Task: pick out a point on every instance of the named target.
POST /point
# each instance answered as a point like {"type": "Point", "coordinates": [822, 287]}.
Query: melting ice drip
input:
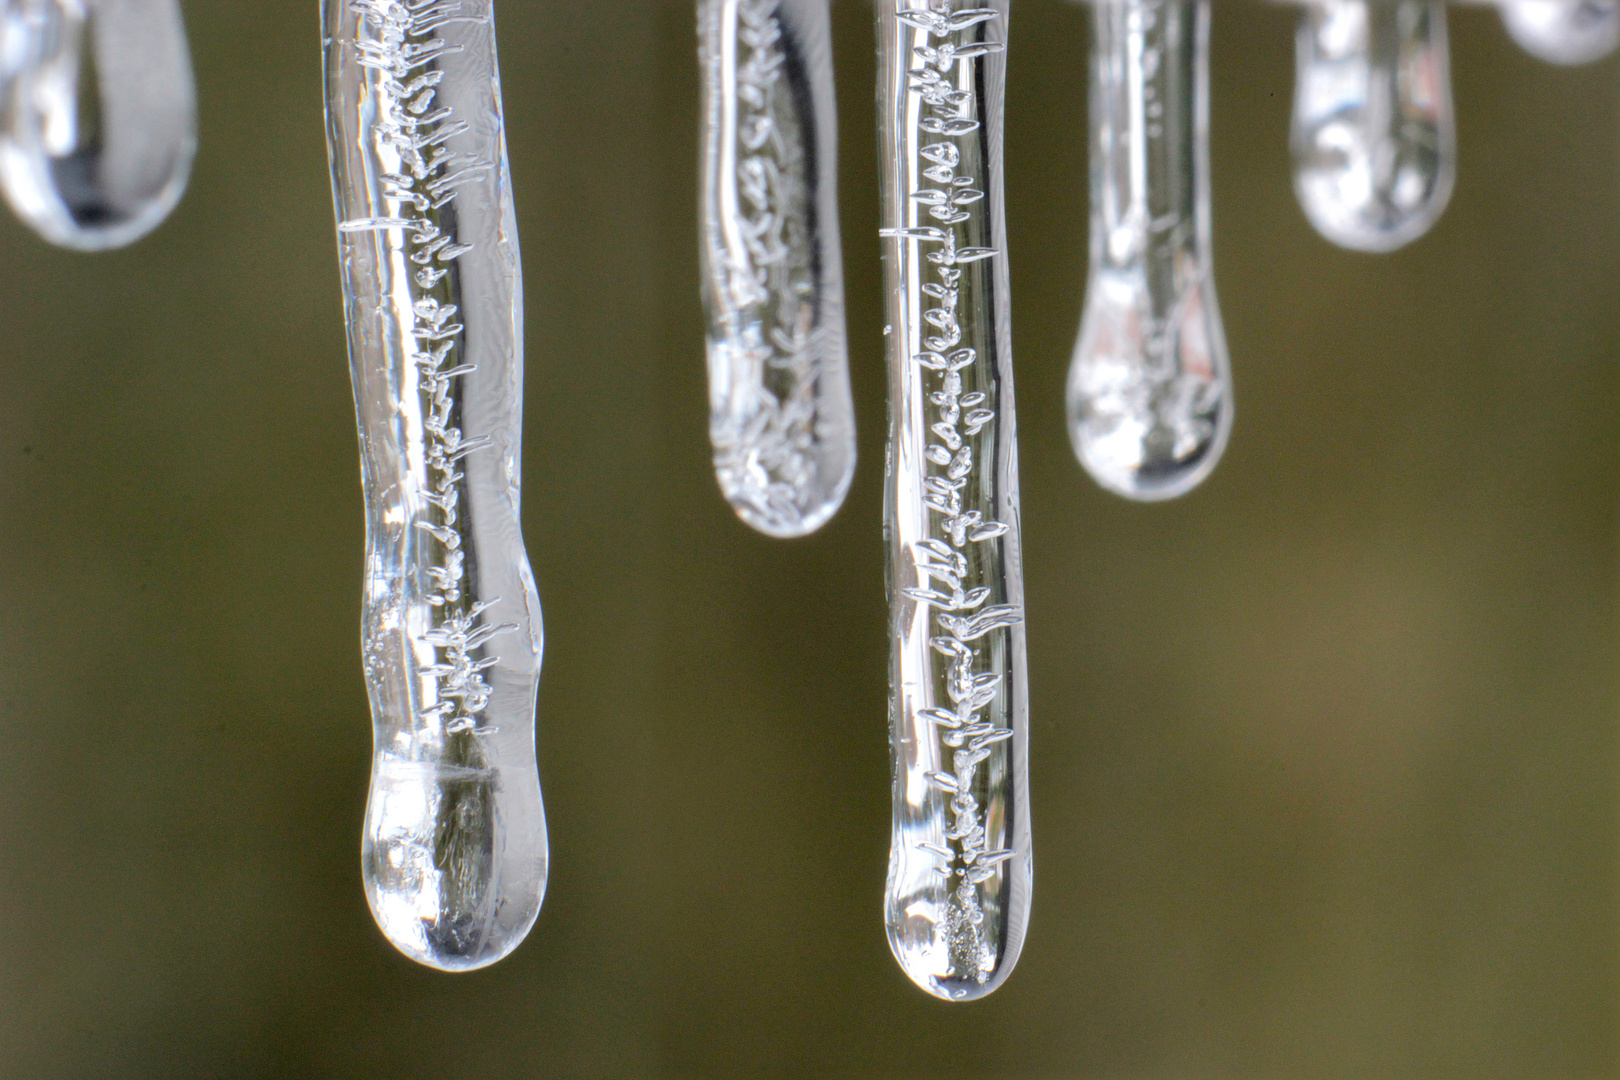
{"type": "Point", "coordinates": [455, 846]}
{"type": "Point", "coordinates": [781, 417]}
{"type": "Point", "coordinates": [959, 863]}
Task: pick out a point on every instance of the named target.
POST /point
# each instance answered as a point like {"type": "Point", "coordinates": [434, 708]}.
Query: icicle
{"type": "Point", "coordinates": [780, 418]}
{"type": "Point", "coordinates": [1149, 397]}
{"type": "Point", "coordinates": [455, 844]}
{"type": "Point", "coordinates": [1373, 138]}
{"type": "Point", "coordinates": [98, 117]}
{"type": "Point", "coordinates": [1563, 31]}
{"type": "Point", "coordinates": [959, 862]}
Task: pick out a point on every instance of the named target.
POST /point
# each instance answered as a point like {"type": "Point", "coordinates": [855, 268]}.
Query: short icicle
{"type": "Point", "coordinates": [1373, 135]}
{"type": "Point", "coordinates": [1149, 394]}
{"type": "Point", "coordinates": [454, 851]}
{"type": "Point", "coordinates": [960, 872]}
{"type": "Point", "coordinates": [781, 418]}
{"type": "Point", "coordinates": [98, 117]}
{"type": "Point", "coordinates": [1563, 31]}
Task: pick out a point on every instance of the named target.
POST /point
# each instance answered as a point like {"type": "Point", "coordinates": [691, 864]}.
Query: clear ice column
{"type": "Point", "coordinates": [1149, 394]}
{"type": "Point", "coordinates": [780, 414]}
{"type": "Point", "coordinates": [1373, 135]}
{"type": "Point", "coordinates": [98, 117]}
{"type": "Point", "coordinates": [959, 883]}
{"type": "Point", "coordinates": [1563, 31]}
{"type": "Point", "coordinates": [454, 851]}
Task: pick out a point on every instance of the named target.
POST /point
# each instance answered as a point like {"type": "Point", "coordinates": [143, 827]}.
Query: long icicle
{"type": "Point", "coordinates": [454, 852]}
{"type": "Point", "coordinates": [98, 117]}
{"type": "Point", "coordinates": [959, 862]}
{"type": "Point", "coordinates": [1374, 142]}
{"type": "Point", "coordinates": [1149, 394]}
{"type": "Point", "coordinates": [780, 415]}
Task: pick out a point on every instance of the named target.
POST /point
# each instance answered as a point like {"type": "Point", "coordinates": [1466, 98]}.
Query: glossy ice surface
{"type": "Point", "coordinates": [959, 860]}
{"type": "Point", "coordinates": [455, 842]}
{"type": "Point", "coordinates": [781, 418]}
{"type": "Point", "coordinates": [1564, 31]}
{"type": "Point", "coordinates": [1373, 136]}
{"type": "Point", "coordinates": [1149, 396]}
{"type": "Point", "coordinates": [98, 117]}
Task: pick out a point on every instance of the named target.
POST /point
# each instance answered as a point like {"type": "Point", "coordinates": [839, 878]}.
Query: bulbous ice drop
{"type": "Point", "coordinates": [960, 870]}
{"type": "Point", "coordinates": [98, 117]}
{"type": "Point", "coordinates": [1149, 395]}
{"type": "Point", "coordinates": [780, 412]}
{"type": "Point", "coordinates": [454, 852]}
{"type": "Point", "coordinates": [1373, 136]}
{"type": "Point", "coordinates": [1563, 31]}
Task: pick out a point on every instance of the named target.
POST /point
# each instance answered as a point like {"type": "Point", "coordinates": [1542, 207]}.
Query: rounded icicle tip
{"type": "Point", "coordinates": [1564, 32]}
{"type": "Point", "coordinates": [1149, 395]}
{"type": "Point", "coordinates": [454, 856]}
{"type": "Point", "coordinates": [98, 118]}
{"type": "Point", "coordinates": [1373, 140]}
{"type": "Point", "coordinates": [1149, 392]}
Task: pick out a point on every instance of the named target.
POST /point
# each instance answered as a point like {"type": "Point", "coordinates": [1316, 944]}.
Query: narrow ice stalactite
{"type": "Point", "coordinates": [960, 871]}
{"type": "Point", "coordinates": [781, 418]}
{"type": "Point", "coordinates": [454, 853]}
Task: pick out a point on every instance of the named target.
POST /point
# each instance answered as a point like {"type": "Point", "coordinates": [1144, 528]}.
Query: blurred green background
{"type": "Point", "coordinates": [1325, 759]}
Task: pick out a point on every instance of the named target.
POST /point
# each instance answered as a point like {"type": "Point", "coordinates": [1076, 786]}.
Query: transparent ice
{"type": "Point", "coordinates": [958, 895]}
{"type": "Point", "coordinates": [780, 414]}
{"type": "Point", "coordinates": [1373, 136]}
{"type": "Point", "coordinates": [1149, 396]}
{"type": "Point", "coordinates": [98, 117]}
{"type": "Point", "coordinates": [454, 852]}
{"type": "Point", "coordinates": [1564, 31]}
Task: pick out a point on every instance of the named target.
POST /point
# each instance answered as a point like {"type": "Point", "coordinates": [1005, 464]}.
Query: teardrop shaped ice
{"type": "Point", "coordinates": [1149, 395]}
{"type": "Point", "coordinates": [454, 854]}
{"type": "Point", "coordinates": [1373, 136]}
{"type": "Point", "coordinates": [1563, 31]}
{"type": "Point", "coordinates": [960, 864]}
{"type": "Point", "coordinates": [98, 117]}
{"type": "Point", "coordinates": [781, 418]}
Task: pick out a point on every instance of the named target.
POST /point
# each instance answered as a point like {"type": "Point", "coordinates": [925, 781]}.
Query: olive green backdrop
{"type": "Point", "coordinates": [1325, 758]}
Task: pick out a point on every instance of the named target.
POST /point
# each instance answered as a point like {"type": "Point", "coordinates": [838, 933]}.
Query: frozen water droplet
{"type": "Point", "coordinates": [1149, 396]}
{"type": "Point", "coordinates": [1373, 135]}
{"type": "Point", "coordinates": [98, 117]}
{"type": "Point", "coordinates": [1563, 31]}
